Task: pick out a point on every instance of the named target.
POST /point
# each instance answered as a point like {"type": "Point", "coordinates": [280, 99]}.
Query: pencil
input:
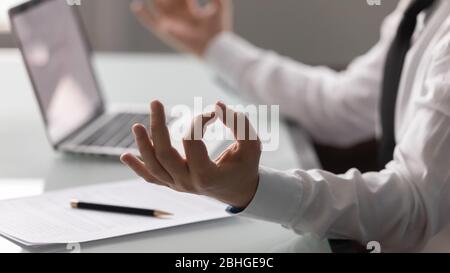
{"type": "Point", "coordinates": [118, 209]}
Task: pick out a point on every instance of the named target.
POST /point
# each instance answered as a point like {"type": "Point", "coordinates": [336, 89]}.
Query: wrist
{"type": "Point", "coordinates": [235, 196]}
{"type": "Point", "coordinates": [243, 198]}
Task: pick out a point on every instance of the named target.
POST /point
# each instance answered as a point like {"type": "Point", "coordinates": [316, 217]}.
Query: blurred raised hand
{"type": "Point", "coordinates": [185, 25]}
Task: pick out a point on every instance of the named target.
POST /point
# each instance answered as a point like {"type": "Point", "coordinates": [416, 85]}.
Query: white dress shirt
{"type": "Point", "coordinates": [408, 202]}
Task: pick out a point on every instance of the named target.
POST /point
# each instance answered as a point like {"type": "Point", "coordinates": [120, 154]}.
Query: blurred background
{"type": "Point", "coordinates": [329, 32]}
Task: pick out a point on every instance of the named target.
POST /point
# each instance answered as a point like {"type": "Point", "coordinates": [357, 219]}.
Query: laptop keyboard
{"type": "Point", "coordinates": [117, 131]}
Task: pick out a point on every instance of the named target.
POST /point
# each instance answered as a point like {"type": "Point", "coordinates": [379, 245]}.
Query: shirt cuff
{"type": "Point", "coordinates": [228, 53]}
{"type": "Point", "coordinates": [277, 198]}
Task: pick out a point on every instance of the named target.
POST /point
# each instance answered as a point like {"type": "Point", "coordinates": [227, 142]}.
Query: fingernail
{"type": "Point", "coordinates": [122, 158]}
{"type": "Point", "coordinates": [135, 128]}
{"type": "Point", "coordinates": [154, 105]}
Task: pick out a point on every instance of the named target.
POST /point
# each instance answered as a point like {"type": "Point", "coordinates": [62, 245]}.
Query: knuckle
{"type": "Point", "coordinates": [162, 154]}
{"type": "Point", "coordinates": [202, 180]}
{"type": "Point", "coordinates": [140, 138]}
{"type": "Point", "coordinates": [201, 173]}
{"type": "Point", "coordinates": [154, 126]}
{"type": "Point", "coordinates": [156, 172]}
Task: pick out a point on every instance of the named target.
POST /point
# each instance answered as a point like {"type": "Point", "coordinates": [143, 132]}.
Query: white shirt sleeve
{"type": "Point", "coordinates": [339, 108]}
{"type": "Point", "coordinates": [402, 206]}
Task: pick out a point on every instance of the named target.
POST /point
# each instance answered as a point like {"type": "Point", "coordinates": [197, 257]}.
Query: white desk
{"type": "Point", "coordinates": [25, 153]}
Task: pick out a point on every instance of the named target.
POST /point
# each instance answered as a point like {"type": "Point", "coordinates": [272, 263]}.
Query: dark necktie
{"type": "Point", "coordinates": [392, 73]}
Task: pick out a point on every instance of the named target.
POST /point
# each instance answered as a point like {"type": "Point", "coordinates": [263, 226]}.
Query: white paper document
{"type": "Point", "coordinates": [48, 219]}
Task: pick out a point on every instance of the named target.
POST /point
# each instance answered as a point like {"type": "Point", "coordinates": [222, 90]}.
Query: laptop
{"type": "Point", "coordinates": [57, 56]}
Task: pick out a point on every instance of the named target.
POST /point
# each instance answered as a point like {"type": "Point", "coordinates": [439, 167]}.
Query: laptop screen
{"type": "Point", "coordinates": [59, 64]}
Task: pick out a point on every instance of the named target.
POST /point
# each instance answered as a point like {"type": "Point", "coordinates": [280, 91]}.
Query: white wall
{"type": "Point", "coordinates": [314, 31]}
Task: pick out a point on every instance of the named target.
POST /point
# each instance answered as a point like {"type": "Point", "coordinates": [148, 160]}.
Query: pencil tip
{"type": "Point", "coordinates": [162, 213]}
